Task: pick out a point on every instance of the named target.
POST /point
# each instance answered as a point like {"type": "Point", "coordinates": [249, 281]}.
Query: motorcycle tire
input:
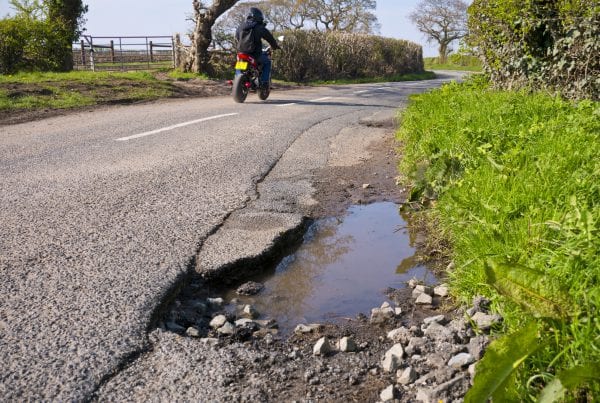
{"type": "Point", "coordinates": [239, 91]}
{"type": "Point", "coordinates": [264, 93]}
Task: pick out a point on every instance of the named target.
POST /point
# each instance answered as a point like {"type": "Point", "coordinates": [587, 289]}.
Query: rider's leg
{"type": "Point", "coordinates": [266, 69]}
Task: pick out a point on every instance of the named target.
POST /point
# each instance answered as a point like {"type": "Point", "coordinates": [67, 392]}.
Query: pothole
{"type": "Point", "coordinates": [342, 269]}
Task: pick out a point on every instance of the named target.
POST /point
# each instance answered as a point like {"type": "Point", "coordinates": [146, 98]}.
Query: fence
{"type": "Point", "coordinates": [108, 53]}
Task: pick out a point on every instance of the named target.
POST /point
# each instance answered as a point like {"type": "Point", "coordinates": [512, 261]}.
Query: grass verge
{"type": "Point", "coordinates": [513, 184]}
{"type": "Point", "coordinates": [78, 88]}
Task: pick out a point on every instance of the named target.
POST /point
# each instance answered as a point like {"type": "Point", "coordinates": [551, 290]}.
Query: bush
{"type": "Point", "coordinates": [32, 45]}
{"type": "Point", "coordinates": [312, 55]}
{"type": "Point", "coordinates": [539, 44]}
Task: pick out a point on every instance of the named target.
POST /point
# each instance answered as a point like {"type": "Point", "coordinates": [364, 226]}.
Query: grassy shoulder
{"type": "Point", "coordinates": [78, 88]}
{"type": "Point", "coordinates": [512, 181]}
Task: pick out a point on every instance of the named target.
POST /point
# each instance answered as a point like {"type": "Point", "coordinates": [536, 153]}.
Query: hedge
{"type": "Point", "coordinates": [552, 45]}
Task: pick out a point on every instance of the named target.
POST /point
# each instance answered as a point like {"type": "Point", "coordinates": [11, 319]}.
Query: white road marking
{"type": "Point", "coordinates": [362, 92]}
{"type": "Point", "coordinates": [164, 129]}
{"type": "Point", "coordinates": [290, 104]}
{"type": "Point", "coordinates": [320, 99]}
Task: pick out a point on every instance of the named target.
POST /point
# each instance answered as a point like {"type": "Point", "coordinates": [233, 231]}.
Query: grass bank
{"type": "Point", "coordinates": [78, 88]}
{"type": "Point", "coordinates": [513, 184]}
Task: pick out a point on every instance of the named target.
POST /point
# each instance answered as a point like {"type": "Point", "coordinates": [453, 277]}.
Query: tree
{"type": "Point", "coordinates": [70, 13]}
{"type": "Point", "coordinates": [343, 15]}
{"type": "Point", "coordinates": [204, 18]}
{"type": "Point", "coordinates": [443, 21]}
{"type": "Point", "coordinates": [322, 15]}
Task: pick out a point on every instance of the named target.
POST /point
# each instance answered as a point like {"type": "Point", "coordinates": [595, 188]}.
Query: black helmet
{"type": "Point", "coordinates": [255, 15]}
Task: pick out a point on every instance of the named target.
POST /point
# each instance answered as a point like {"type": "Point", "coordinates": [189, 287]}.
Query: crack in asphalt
{"type": "Point", "coordinates": [186, 276]}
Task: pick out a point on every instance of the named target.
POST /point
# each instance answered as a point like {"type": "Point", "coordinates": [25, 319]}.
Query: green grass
{"type": "Point", "coordinates": [463, 63]}
{"type": "Point", "coordinates": [514, 184]}
{"type": "Point", "coordinates": [427, 75]}
{"type": "Point", "coordinates": [78, 88]}
{"type": "Point", "coordinates": [182, 76]}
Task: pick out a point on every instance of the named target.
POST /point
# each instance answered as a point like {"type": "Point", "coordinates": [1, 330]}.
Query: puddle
{"type": "Point", "coordinates": [341, 269]}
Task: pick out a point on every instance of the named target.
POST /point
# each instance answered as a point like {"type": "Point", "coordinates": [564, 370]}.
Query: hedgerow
{"type": "Point", "coordinates": [551, 45]}
{"type": "Point", "coordinates": [312, 55]}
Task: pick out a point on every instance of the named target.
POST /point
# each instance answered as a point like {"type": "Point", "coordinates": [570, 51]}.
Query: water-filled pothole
{"type": "Point", "coordinates": [341, 269]}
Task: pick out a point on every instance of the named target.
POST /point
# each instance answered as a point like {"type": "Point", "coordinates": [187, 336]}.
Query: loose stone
{"type": "Point", "coordinates": [424, 289]}
{"type": "Point", "coordinates": [250, 312]}
{"type": "Point", "coordinates": [347, 345]}
{"type": "Point", "coordinates": [192, 332]}
{"type": "Point", "coordinates": [437, 319]}
{"type": "Point", "coordinates": [424, 299]}
{"type": "Point", "coordinates": [406, 376]}
{"type": "Point", "coordinates": [393, 357]}
{"type": "Point", "coordinates": [218, 321]}
{"type": "Point", "coordinates": [461, 360]}
{"type": "Point", "coordinates": [322, 347]}
{"type": "Point", "coordinates": [485, 322]}
{"type": "Point", "coordinates": [226, 329]}
{"type": "Point", "coordinates": [307, 328]}
{"type": "Point", "coordinates": [245, 322]}
{"type": "Point", "coordinates": [441, 291]}
{"type": "Point", "coordinates": [388, 394]}
{"type": "Point", "coordinates": [382, 315]}
{"type": "Point", "coordinates": [400, 335]}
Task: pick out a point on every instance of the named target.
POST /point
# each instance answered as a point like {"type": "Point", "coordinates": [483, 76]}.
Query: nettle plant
{"type": "Point", "coordinates": [550, 45]}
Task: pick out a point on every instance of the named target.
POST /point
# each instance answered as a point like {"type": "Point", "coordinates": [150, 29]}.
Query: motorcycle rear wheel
{"type": "Point", "coordinates": [239, 90]}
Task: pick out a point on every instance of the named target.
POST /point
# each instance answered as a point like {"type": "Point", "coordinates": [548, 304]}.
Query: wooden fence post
{"type": "Point", "coordinates": [151, 57]}
{"type": "Point", "coordinates": [112, 51]}
{"type": "Point", "coordinates": [83, 53]}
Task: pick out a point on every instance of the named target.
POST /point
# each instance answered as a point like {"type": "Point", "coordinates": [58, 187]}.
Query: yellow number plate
{"type": "Point", "coordinates": [241, 65]}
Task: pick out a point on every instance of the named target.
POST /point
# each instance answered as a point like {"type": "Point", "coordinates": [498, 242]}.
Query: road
{"type": "Point", "coordinates": [105, 212]}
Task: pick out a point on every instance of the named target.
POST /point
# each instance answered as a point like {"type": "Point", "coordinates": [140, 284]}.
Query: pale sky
{"type": "Point", "coordinates": [143, 17]}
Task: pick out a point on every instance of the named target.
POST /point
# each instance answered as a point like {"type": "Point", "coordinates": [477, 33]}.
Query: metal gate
{"type": "Point", "coordinates": [124, 53]}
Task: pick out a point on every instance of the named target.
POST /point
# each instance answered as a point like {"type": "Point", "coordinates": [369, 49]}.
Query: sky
{"type": "Point", "coordinates": [148, 18]}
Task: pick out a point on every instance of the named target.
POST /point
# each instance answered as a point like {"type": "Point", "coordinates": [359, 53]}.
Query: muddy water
{"type": "Point", "coordinates": [342, 268]}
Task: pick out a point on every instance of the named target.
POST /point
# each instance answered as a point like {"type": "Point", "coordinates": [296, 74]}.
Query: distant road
{"type": "Point", "coordinates": [102, 213]}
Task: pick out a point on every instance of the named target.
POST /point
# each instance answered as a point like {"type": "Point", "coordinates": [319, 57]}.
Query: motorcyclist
{"type": "Point", "coordinates": [249, 36]}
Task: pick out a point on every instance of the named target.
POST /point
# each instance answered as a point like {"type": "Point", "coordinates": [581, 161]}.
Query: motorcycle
{"type": "Point", "coordinates": [247, 76]}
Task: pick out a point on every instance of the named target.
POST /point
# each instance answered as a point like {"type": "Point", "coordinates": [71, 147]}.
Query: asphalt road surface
{"type": "Point", "coordinates": [104, 212]}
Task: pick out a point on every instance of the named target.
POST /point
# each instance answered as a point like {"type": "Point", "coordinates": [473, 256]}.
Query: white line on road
{"type": "Point", "coordinates": [164, 129]}
{"type": "Point", "coordinates": [320, 99]}
{"type": "Point", "coordinates": [362, 92]}
{"type": "Point", "coordinates": [290, 104]}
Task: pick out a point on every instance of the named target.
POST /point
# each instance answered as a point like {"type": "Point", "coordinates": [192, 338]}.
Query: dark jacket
{"type": "Point", "coordinates": [249, 36]}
